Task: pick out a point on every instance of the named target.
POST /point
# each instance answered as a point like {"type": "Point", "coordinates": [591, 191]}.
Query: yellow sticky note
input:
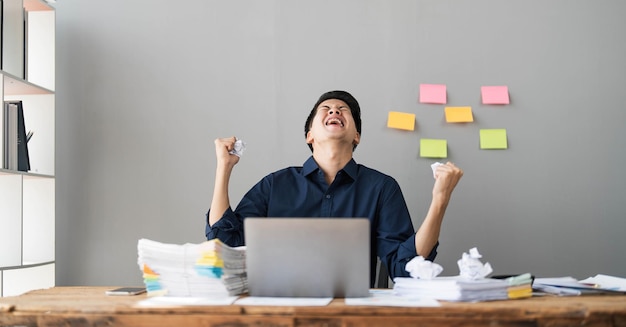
{"type": "Point", "coordinates": [459, 114]}
{"type": "Point", "coordinates": [401, 120]}
{"type": "Point", "coordinates": [493, 139]}
{"type": "Point", "coordinates": [433, 148]}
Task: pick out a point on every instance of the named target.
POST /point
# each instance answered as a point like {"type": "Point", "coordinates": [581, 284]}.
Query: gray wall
{"type": "Point", "coordinates": [144, 87]}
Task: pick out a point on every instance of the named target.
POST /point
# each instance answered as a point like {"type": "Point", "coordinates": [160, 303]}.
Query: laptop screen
{"type": "Point", "coordinates": [307, 257]}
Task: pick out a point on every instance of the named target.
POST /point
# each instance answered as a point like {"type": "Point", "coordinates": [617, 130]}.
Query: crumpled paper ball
{"type": "Point", "coordinates": [238, 148]}
{"type": "Point", "coordinates": [471, 267]}
{"type": "Point", "coordinates": [421, 268]}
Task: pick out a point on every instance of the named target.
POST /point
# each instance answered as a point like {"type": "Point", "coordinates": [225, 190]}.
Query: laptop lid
{"type": "Point", "coordinates": [307, 257]}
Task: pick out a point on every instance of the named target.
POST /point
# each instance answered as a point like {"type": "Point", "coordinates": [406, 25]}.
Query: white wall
{"type": "Point", "coordinates": [143, 88]}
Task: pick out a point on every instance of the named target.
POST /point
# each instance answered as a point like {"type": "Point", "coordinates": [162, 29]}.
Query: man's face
{"type": "Point", "coordinates": [333, 121]}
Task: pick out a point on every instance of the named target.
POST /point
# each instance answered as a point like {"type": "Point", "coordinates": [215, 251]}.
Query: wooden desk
{"type": "Point", "coordinates": [88, 306]}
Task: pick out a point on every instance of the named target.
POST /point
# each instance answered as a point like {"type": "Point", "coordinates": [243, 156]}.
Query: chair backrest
{"type": "Point", "coordinates": [382, 276]}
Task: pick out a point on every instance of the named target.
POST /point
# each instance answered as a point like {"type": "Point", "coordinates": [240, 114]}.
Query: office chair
{"type": "Point", "coordinates": [382, 276]}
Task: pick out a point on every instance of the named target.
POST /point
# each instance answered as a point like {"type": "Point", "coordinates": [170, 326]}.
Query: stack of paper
{"type": "Point", "coordinates": [208, 269]}
{"type": "Point", "coordinates": [456, 288]}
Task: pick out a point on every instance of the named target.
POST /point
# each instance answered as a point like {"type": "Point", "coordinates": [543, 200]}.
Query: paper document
{"type": "Point", "coordinates": [456, 288]}
{"type": "Point", "coordinates": [571, 286]}
{"type": "Point", "coordinates": [284, 301]}
{"type": "Point", "coordinates": [606, 282]}
{"type": "Point", "coordinates": [210, 269]}
{"type": "Point", "coordinates": [176, 301]}
{"type": "Point", "coordinates": [387, 298]}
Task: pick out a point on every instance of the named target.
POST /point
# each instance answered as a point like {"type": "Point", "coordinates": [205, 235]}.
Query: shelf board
{"type": "Point", "coordinates": [36, 5]}
{"type": "Point", "coordinates": [26, 174]}
{"type": "Point", "coordinates": [17, 86]}
{"type": "Point", "coordinates": [28, 265]}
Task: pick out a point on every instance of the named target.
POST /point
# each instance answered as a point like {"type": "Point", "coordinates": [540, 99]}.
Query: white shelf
{"type": "Point", "coordinates": [27, 199]}
{"type": "Point", "coordinates": [19, 281]}
{"type": "Point", "coordinates": [10, 218]}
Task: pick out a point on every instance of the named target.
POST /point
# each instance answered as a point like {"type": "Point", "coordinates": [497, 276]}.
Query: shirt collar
{"type": "Point", "coordinates": [310, 166]}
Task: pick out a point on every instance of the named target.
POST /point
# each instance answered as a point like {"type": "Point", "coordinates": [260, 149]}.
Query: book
{"type": "Point", "coordinates": [13, 38]}
{"type": "Point", "coordinates": [15, 147]}
{"type": "Point", "coordinates": [9, 144]}
{"type": "Point", "coordinates": [23, 159]}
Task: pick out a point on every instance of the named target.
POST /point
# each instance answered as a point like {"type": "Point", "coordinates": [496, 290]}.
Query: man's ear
{"type": "Point", "coordinates": [309, 138]}
{"type": "Point", "coordinates": [357, 139]}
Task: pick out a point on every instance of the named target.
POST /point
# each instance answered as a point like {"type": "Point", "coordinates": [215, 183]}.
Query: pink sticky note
{"type": "Point", "coordinates": [433, 93]}
{"type": "Point", "coordinates": [495, 94]}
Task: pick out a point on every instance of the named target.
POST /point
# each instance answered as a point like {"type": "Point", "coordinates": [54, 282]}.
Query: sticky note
{"type": "Point", "coordinates": [401, 120]}
{"type": "Point", "coordinates": [493, 139]}
{"type": "Point", "coordinates": [495, 94]}
{"type": "Point", "coordinates": [433, 93]}
{"type": "Point", "coordinates": [433, 148]}
{"type": "Point", "coordinates": [459, 114]}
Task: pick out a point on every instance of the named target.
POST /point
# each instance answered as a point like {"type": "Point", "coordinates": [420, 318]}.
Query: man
{"type": "Point", "coordinates": [332, 184]}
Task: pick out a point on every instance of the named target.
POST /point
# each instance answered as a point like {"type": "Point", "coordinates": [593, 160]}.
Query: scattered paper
{"type": "Point", "coordinates": [459, 114]}
{"type": "Point", "coordinates": [238, 148]}
{"type": "Point", "coordinates": [433, 93]}
{"type": "Point", "coordinates": [421, 268]}
{"type": "Point", "coordinates": [606, 282]}
{"type": "Point", "coordinates": [433, 148]}
{"type": "Point", "coordinates": [563, 286]}
{"type": "Point", "coordinates": [284, 301]}
{"type": "Point", "coordinates": [401, 120]}
{"type": "Point", "coordinates": [493, 139]}
{"type": "Point", "coordinates": [176, 301]}
{"type": "Point", "coordinates": [570, 286]}
{"type": "Point", "coordinates": [387, 298]}
{"type": "Point", "coordinates": [471, 267]}
{"type": "Point", "coordinates": [495, 94]}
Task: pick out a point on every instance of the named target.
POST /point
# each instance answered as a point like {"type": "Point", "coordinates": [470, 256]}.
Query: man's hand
{"type": "Point", "coordinates": [223, 146]}
{"type": "Point", "coordinates": [446, 177]}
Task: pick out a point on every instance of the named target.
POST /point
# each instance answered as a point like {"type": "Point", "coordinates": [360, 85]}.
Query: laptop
{"type": "Point", "coordinates": [308, 257]}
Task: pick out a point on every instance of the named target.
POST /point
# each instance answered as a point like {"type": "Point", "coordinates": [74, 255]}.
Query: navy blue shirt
{"type": "Point", "coordinates": [357, 191]}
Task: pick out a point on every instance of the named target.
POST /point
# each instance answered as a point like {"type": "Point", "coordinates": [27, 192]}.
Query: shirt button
{"type": "Point", "coordinates": [328, 196]}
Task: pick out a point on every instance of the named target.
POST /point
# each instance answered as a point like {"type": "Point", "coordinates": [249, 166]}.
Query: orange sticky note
{"type": "Point", "coordinates": [401, 120]}
{"type": "Point", "coordinates": [459, 114]}
{"type": "Point", "coordinates": [433, 93]}
{"type": "Point", "coordinates": [147, 270]}
{"type": "Point", "coordinates": [495, 94]}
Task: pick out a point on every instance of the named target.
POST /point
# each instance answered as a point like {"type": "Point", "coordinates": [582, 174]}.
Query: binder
{"type": "Point", "coordinates": [15, 145]}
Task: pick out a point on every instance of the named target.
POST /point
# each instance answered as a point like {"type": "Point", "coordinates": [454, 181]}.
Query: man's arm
{"type": "Point", "coordinates": [225, 164]}
{"type": "Point", "coordinates": [446, 178]}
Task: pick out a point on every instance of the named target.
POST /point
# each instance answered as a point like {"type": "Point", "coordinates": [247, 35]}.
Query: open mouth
{"type": "Point", "coordinates": [334, 121]}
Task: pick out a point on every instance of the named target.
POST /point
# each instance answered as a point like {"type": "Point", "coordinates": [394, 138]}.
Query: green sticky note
{"type": "Point", "coordinates": [493, 139]}
{"type": "Point", "coordinates": [433, 148]}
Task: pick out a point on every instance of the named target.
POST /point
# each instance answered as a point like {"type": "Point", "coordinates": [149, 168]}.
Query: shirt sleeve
{"type": "Point", "coordinates": [229, 229]}
{"type": "Point", "coordinates": [395, 232]}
